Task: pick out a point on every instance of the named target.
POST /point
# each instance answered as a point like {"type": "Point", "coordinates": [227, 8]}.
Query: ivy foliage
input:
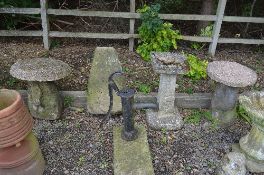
{"type": "Point", "coordinates": [154, 34]}
{"type": "Point", "coordinates": [205, 32]}
{"type": "Point", "coordinates": [10, 22]}
{"type": "Point", "coordinates": [171, 6]}
{"type": "Point", "coordinates": [19, 3]}
{"type": "Point", "coordinates": [197, 67]}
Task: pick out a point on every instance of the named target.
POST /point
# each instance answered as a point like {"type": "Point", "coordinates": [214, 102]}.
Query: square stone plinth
{"type": "Point", "coordinates": [132, 157]}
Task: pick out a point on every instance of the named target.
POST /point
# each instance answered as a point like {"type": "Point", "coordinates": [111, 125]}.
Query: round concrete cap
{"type": "Point", "coordinates": [231, 73]}
{"type": "Point", "coordinates": [40, 69]}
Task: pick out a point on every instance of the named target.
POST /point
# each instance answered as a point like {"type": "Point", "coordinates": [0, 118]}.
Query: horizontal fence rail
{"type": "Point", "coordinates": [46, 33]}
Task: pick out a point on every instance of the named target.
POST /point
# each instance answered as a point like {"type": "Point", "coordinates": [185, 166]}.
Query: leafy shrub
{"type": "Point", "coordinates": [197, 67]}
{"type": "Point", "coordinates": [205, 32]}
{"type": "Point", "coordinates": [154, 34]}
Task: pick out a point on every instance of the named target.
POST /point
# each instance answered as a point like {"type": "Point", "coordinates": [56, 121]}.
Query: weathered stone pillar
{"type": "Point", "coordinates": [105, 62]}
{"type": "Point", "coordinates": [167, 116]}
{"type": "Point", "coordinates": [224, 103]}
{"type": "Point", "coordinates": [166, 95]}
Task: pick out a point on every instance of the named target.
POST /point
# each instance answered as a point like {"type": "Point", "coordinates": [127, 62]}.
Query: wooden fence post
{"type": "Point", "coordinates": [45, 23]}
{"type": "Point", "coordinates": [217, 26]}
{"type": "Point", "coordinates": [132, 25]}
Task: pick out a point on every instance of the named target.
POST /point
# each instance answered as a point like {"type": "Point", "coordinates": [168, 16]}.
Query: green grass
{"type": "Point", "coordinates": [68, 101]}
{"type": "Point", "coordinates": [164, 139]}
{"type": "Point", "coordinates": [197, 115]}
{"type": "Point", "coordinates": [81, 160]}
{"type": "Point", "coordinates": [143, 87]}
{"type": "Point", "coordinates": [55, 44]}
{"type": "Point", "coordinates": [11, 82]}
{"type": "Point", "coordinates": [242, 114]}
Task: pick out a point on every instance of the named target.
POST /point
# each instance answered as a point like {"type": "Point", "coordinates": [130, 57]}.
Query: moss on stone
{"type": "Point", "coordinates": [44, 100]}
{"type": "Point", "coordinates": [105, 62]}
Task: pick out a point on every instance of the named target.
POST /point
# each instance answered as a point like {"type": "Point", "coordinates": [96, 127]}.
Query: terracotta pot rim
{"type": "Point", "coordinates": [13, 107]}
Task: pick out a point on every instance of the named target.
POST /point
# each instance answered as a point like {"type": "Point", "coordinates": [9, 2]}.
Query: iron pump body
{"type": "Point", "coordinates": [129, 132]}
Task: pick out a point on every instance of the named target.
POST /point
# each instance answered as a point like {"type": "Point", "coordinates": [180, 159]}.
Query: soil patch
{"type": "Point", "coordinates": [139, 73]}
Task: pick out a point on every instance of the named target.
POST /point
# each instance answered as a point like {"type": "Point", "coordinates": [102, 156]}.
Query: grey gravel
{"type": "Point", "coordinates": [40, 69]}
{"type": "Point", "coordinates": [80, 147]}
{"type": "Point", "coordinates": [231, 73]}
{"type": "Point", "coordinates": [75, 145]}
{"type": "Point", "coordinates": [195, 149]}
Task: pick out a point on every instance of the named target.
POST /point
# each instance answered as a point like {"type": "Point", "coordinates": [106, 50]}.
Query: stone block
{"type": "Point", "coordinates": [233, 163]}
{"type": "Point", "coordinates": [105, 62]}
{"type": "Point", "coordinates": [132, 157]}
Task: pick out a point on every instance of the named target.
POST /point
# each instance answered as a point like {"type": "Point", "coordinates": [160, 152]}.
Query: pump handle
{"type": "Point", "coordinates": [111, 86]}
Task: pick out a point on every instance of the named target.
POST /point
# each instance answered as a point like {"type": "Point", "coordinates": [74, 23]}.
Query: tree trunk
{"type": "Point", "coordinates": [207, 9]}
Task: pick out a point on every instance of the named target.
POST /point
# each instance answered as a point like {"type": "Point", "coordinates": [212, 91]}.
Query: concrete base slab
{"type": "Point", "coordinates": [170, 122]}
{"type": "Point", "coordinates": [132, 157]}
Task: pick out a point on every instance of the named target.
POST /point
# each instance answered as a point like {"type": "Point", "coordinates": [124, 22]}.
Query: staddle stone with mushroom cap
{"type": "Point", "coordinates": [43, 98]}
{"type": "Point", "coordinates": [230, 76]}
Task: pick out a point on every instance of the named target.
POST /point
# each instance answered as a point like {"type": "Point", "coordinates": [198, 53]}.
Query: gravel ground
{"type": "Point", "coordinates": [75, 145]}
{"type": "Point", "coordinates": [196, 149]}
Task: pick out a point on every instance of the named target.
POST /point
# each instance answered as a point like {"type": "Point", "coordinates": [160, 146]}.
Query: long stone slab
{"type": "Point", "coordinates": [182, 100]}
{"type": "Point", "coordinates": [132, 157]}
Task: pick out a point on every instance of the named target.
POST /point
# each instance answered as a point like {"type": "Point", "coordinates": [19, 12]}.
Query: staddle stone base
{"type": "Point", "coordinates": [44, 101]}
{"type": "Point", "coordinates": [223, 104]}
{"type": "Point", "coordinates": [232, 163]}
{"type": "Point", "coordinates": [132, 157]}
{"type": "Point", "coordinates": [169, 121]}
{"type": "Point", "coordinates": [225, 118]}
{"type": "Point", "coordinates": [252, 165]}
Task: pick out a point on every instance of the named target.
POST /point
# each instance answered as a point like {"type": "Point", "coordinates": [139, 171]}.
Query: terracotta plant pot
{"type": "Point", "coordinates": [25, 159]}
{"type": "Point", "coordinates": [15, 120]}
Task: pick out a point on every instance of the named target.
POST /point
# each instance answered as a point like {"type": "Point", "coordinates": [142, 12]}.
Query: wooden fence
{"type": "Point", "coordinates": [44, 11]}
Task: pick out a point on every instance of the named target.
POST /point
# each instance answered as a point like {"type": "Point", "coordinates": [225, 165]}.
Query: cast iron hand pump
{"type": "Point", "coordinates": [127, 98]}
